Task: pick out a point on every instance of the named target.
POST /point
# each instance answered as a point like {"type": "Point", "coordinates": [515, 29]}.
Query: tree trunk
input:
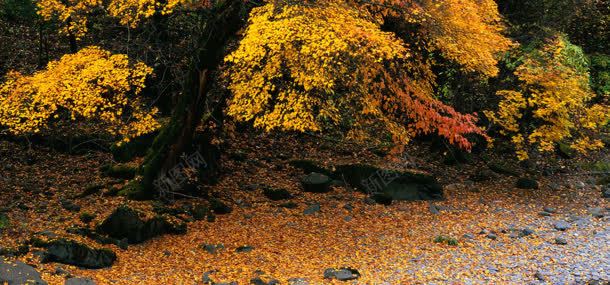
{"type": "Point", "coordinates": [176, 139]}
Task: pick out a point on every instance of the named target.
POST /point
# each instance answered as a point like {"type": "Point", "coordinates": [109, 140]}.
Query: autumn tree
{"type": "Point", "coordinates": [306, 67]}
{"type": "Point", "coordinates": [92, 85]}
{"type": "Point", "coordinates": [552, 102]}
{"type": "Point", "coordinates": [363, 67]}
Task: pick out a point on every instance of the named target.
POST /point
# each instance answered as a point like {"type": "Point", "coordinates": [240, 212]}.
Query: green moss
{"type": "Point", "coordinates": [4, 222]}
{"type": "Point", "coordinates": [446, 240]}
{"type": "Point", "coordinates": [120, 171]}
{"type": "Point", "coordinates": [87, 217]}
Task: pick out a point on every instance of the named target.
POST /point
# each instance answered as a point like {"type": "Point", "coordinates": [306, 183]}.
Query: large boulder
{"type": "Point", "coordinates": [316, 183]}
{"type": "Point", "coordinates": [527, 183]}
{"type": "Point", "coordinates": [126, 223]}
{"type": "Point", "coordinates": [18, 273]}
{"type": "Point", "coordinates": [74, 253]}
{"type": "Point", "coordinates": [402, 186]}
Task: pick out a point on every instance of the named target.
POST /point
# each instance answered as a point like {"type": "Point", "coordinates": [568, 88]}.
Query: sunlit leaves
{"type": "Point", "coordinates": [92, 84]}
{"type": "Point", "coordinates": [329, 65]}
{"type": "Point", "coordinates": [552, 103]}
{"type": "Point", "coordinates": [73, 14]}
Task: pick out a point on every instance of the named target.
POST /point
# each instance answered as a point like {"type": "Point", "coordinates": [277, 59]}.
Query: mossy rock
{"type": "Point", "coordinates": [120, 171]}
{"type": "Point", "coordinates": [90, 190]}
{"type": "Point", "coordinates": [74, 253]}
{"type": "Point", "coordinates": [125, 222]}
{"type": "Point", "coordinates": [404, 186]}
{"type": "Point", "coordinates": [527, 183]}
{"type": "Point", "coordinates": [316, 183]}
{"type": "Point", "coordinates": [219, 207]}
{"type": "Point", "coordinates": [199, 212]}
{"type": "Point", "coordinates": [87, 217]}
{"type": "Point", "coordinates": [503, 168]}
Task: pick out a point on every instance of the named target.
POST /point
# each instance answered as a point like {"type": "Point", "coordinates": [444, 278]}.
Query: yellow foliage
{"type": "Point", "coordinates": [91, 84]}
{"type": "Point", "coordinates": [314, 66]}
{"type": "Point", "coordinates": [131, 13]}
{"type": "Point", "coordinates": [554, 94]}
{"type": "Point", "coordinates": [73, 13]}
{"type": "Point", "coordinates": [469, 32]}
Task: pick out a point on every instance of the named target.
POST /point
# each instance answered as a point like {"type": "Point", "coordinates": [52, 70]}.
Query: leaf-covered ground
{"type": "Point", "coordinates": [397, 244]}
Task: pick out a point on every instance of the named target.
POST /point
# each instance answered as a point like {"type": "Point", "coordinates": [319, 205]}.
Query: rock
{"type": "Point", "coordinates": [606, 191]}
{"type": "Point", "coordinates": [211, 218]}
{"type": "Point", "coordinates": [527, 183]}
{"type": "Point", "coordinates": [341, 274]}
{"type": "Point", "coordinates": [348, 207]}
{"type": "Point", "coordinates": [125, 222]}
{"type": "Point", "coordinates": [580, 185]}
{"type": "Point", "coordinates": [597, 212]}
{"type": "Point", "coordinates": [297, 281]}
{"type": "Point", "coordinates": [74, 253]}
{"type": "Point", "coordinates": [561, 225]}
{"type": "Point", "coordinates": [206, 277]}
{"type": "Point", "coordinates": [61, 271]}
{"type": "Point", "coordinates": [382, 199]}
{"type": "Point", "coordinates": [219, 207]}
{"type": "Point", "coordinates": [244, 248]}
{"type": "Point", "coordinates": [545, 214]}
{"type": "Point", "coordinates": [69, 205]}
{"type": "Point", "coordinates": [483, 175]}
{"type": "Point", "coordinates": [369, 201]}
{"type": "Point", "coordinates": [312, 209]}
{"type": "Point", "coordinates": [276, 194]}
{"type": "Point", "coordinates": [503, 168]}
{"type": "Point", "coordinates": [261, 281]}
{"type": "Point", "coordinates": [199, 212]}
{"type": "Point", "coordinates": [433, 209]}
{"type": "Point", "coordinates": [561, 241]}
{"type": "Point", "coordinates": [18, 273]}
{"type": "Point", "coordinates": [555, 186]}
{"type": "Point", "coordinates": [550, 210]}
{"type": "Point", "coordinates": [90, 190]}
{"type": "Point", "coordinates": [316, 183]}
{"type": "Point", "coordinates": [86, 217]}
{"type": "Point", "coordinates": [79, 281]}
{"type": "Point", "coordinates": [289, 205]}
{"type": "Point", "coordinates": [492, 236]}
{"type": "Point", "coordinates": [86, 232]}
{"type": "Point", "coordinates": [213, 248]}
{"type": "Point", "coordinates": [526, 232]}
{"type": "Point", "coordinates": [468, 236]}
{"type": "Point", "coordinates": [401, 186]}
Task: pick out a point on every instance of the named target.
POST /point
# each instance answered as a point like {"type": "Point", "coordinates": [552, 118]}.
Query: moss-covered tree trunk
{"type": "Point", "coordinates": [176, 138]}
